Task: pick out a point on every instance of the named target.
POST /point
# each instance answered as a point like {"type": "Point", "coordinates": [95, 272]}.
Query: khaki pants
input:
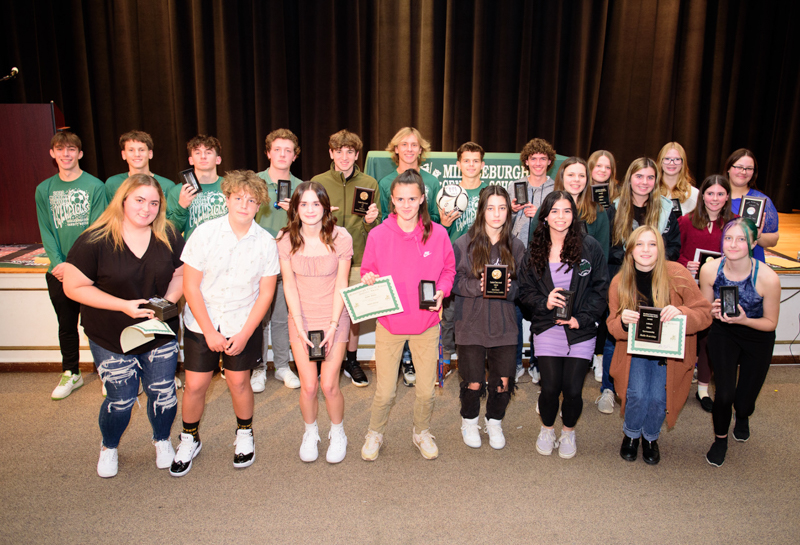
{"type": "Point", "coordinates": [388, 349]}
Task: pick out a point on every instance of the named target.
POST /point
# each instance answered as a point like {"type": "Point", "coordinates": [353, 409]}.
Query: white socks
{"type": "Point", "coordinates": [702, 391]}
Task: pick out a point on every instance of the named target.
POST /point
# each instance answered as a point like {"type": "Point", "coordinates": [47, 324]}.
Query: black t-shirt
{"type": "Point", "coordinates": [644, 285]}
{"type": "Point", "coordinates": [122, 274]}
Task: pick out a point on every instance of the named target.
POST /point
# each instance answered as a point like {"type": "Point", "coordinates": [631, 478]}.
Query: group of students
{"type": "Point", "coordinates": [254, 267]}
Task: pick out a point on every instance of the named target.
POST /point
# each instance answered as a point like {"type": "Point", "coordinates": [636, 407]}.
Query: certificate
{"type": "Point", "coordinates": [671, 345]}
{"type": "Point", "coordinates": [138, 334]}
{"type": "Point", "coordinates": [365, 302]}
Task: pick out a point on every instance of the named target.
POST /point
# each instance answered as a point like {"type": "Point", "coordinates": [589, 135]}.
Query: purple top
{"type": "Point", "coordinates": [553, 342]}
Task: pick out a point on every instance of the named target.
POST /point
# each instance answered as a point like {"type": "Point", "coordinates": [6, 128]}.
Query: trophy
{"type": "Point", "coordinates": [521, 192]}
{"type": "Point", "coordinates": [316, 352]}
{"type": "Point", "coordinates": [189, 178]}
{"type": "Point", "coordinates": [729, 300]}
{"type": "Point", "coordinates": [495, 281]}
{"type": "Point", "coordinates": [362, 198]}
{"type": "Point", "coordinates": [649, 327]}
{"type": "Point", "coordinates": [164, 310]}
{"type": "Point", "coordinates": [427, 292]}
{"type": "Point", "coordinates": [565, 312]}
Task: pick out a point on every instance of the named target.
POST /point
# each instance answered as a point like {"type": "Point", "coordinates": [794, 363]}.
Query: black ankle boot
{"type": "Point", "coordinates": [650, 453]}
{"type": "Point", "coordinates": [629, 449]}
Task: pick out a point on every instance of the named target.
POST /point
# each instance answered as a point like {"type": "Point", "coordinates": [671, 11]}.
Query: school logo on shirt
{"type": "Point", "coordinates": [70, 208]}
{"type": "Point", "coordinates": [468, 216]}
{"type": "Point", "coordinates": [206, 206]}
{"type": "Point", "coordinates": [584, 268]}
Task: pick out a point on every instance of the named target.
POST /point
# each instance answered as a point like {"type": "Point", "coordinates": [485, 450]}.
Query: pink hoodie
{"type": "Point", "coordinates": [392, 251]}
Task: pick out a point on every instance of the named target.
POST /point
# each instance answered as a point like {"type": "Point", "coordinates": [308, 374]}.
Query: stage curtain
{"type": "Point", "coordinates": [622, 75]}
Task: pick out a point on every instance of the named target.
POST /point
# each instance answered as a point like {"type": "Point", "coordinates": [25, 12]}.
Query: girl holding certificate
{"type": "Point", "coordinates": [410, 248]}
{"type": "Point", "coordinates": [486, 328]}
{"type": "Point", "coordinates": [315, 261]}
{"type": "Point", "coordinates": [702, 230]}
{"type": "Point", "coordinates": [743, 340]}
{"type": "Point", "coordinates": [130, 254]}
{"type": "Point", "coordinates": [564, 326]}
{"type": "Point", "coordinates": [651, 387]}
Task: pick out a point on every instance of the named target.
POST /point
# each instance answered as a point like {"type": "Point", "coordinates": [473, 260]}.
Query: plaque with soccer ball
{"type": "Point", "coordinates": [452, 198]}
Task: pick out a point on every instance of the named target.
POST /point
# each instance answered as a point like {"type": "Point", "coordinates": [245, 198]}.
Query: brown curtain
{"type": "Point", "coordinates": [622, 75]}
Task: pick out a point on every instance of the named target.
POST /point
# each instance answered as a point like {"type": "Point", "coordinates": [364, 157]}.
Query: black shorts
{"type": "Point", "coordinates": [198, 357]}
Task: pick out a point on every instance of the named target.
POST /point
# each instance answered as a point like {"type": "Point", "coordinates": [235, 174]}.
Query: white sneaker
{"type": "Point", "coordinates": [66, 384]}
{"type": "Point", "coordinates": [258, 380]}
{"type": "Point", "coordinates": [372, 446]}
{"type": "Point", "coordinates": [424, 441]}
{"type": "Point", "coordinates": [495, 430]}
{"type": "Point", "coordinates": [534, 373]}
{"type": "Point", "coordinates": [108, 464]}
{"type": "Point", "coordinates": [164, 453]}
{"type": "Point", "coordinates": [289, 379]}
{"type": "Point", "coordinates": [308, 448]}
{"type": "Point", "coordinates": [178, 383]}
{"type": "Point", "coordinates": [103, 389]}
{"type": "Point", "coordinates": [546, 441]}
{"type": "Point", "coordinates": [566, 445]}
{"type": "Point", "coordinates": [188, 449]}
{"type": "Point", "coordinates": [245, 452]}
{"type": "Point", "coordinates": [470, 431]}
{"type": "Point", "coordinates": [598, 368]}
{"type": "Point", "coordinates": [520, 372]}
{"type": "Point", "coordinates": [338, 447]}
{"type": "Point", "coordinates": [605, 402]}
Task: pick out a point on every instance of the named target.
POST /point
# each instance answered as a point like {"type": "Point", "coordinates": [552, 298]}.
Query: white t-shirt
{"type": "Point", "coordinates": [232, 270]}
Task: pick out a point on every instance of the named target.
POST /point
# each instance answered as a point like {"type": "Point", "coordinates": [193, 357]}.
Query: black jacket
{"type": "Point", "coordinates": [589, 282]}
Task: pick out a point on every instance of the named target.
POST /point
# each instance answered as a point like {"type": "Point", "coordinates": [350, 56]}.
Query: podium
{"type": "Point", "coordinates": [25, 133]}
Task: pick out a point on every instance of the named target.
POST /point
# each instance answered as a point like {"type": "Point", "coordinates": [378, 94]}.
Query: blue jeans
{"type": "Point", "coordinates": [120, 373]}
{"type": "Point", "coordinates": [608, 355]}
{"type": "Point", "coordinates": [646, 400]}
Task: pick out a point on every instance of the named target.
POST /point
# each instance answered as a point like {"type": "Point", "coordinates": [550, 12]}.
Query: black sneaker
{"type": "Point", "coordinates": [716, 454]}
{"type": "Point", "coordinates": [409, 375]}
{"type": "Point", "coordinates": [741, 430]}
{"type": "Point", "coordinates": [353, 371]}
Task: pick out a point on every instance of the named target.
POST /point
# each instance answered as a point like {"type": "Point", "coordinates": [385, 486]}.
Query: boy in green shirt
{"type": "Point", "coordinates": [137, 150]}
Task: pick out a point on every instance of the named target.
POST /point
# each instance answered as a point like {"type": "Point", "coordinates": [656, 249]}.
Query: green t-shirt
{"type": "Point", "coordinates": [463, 223]}
{"type": "Point", "coordinates": [207, 205]}
{"type": "Point", "coordinates": [431, 190]}
{"type": "Point", "coordinates": [114, 183]}
{"type": "Point", "coordinates": [65, 210]}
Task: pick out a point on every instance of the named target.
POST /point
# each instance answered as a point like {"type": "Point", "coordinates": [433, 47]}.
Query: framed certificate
{"type": "Point", "coordinates": [704, 256]}
{"type": "Point", "coordinates": [600, 195]}
{"type": "Point", "coordinates": [752, 208]}
{"type": "Point", "coordinates": [672, 343]}
{"type": "Point", "coordinates": [366, 302]}
{"type": "Point", "coordinates": [362, 198]}
{"type": "Point", "coordinates": [495, 281]}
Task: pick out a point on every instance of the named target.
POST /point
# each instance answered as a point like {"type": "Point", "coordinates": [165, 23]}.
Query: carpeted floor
{"type": "Point", "coordinates": [50, 492]}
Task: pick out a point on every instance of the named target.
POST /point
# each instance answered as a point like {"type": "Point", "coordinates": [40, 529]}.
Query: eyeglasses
{"type": "Point", "coordinates": [742, 169]}
{"type": "Point", "coordinates": [672, 160]}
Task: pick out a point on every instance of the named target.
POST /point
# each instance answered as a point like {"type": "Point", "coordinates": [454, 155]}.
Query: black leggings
{"type": "Point", "coordinates": [732, 347]}
{"type": "Point", "coordinates": [561, 375]}
{"type": "Point", "coordinates": [472, 368]}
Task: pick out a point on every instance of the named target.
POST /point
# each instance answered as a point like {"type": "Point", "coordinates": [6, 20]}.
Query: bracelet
{"type": "Point", "coordinates": [334, 323]}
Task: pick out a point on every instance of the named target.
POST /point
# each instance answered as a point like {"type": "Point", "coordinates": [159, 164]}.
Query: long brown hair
{"type": "Point", "coordinates": [480, 246]}
{"type": "Point", "coordinates": [629, 296]}
{"type": "Point", "coordinates": [623, 221]}
{"type": "Point", "coordinates": [293, 224]}
{"type": "Point", "coordinates": [587, 208]}
{"type": "Point", "coordinates": [109, 225]}
{"type": "Point", "coordinates": [540, 241]}
{"type": "Point", "coordinates": [700, 219]}
{"type": "Point", "coordinates": [412, 177]}
{"type": "Point", "coordinates": [683, 189]}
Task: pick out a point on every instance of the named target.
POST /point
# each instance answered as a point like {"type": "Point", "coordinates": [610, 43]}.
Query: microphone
{"type": "Point", "coordinates": [12, 75]}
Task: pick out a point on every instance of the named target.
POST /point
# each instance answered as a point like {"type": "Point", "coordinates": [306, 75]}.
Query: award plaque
{"type": "Point", "coordinates": [316, 352]}
{"type": "Point", "coordinates": [565, 312]}
{"type": "Point", "coordinates": [284, 189]}
{"type": "Point", "coordinates": [427, 292]}
{"type": "Point", "coordinates": [164, 310]}
{"type": "Point", "coordinates": [752, 208]}
{"type": "Point", "coordinates": [676, 206]}
{"type": "Point", "coordinates": [188, 178]}
{"type": "Point", "coordinates": [703, 257]}
{"type": "Point", "coordinates": [649, 327]}
{"type": "Point", "coordinates": [362, 198]}
{"type": "Point", "coordinates": [495, 281]}
{"type": "Point", "coordinates": [729, 300]}
{"type": "Point", "coordinates": [600, 195]}
{"type": "Point", "coordinates": [521, 192]}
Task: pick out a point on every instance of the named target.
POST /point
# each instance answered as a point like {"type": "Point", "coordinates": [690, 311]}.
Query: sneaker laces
{"type": "Point", "coordinates": [426, 438]}
{"type": "Point", "coordinates": [184, 451]}
{"type": "Point", "coordinates": [161, 446]}
{"type": "Point", "coordinates": [373, 439]}
{"type": "Point", "coordinates": [491, 427]}
{"type": "Point", "coordinates": [309, 438]}
{"type": "Point", "coordinates": [608, 394]}
{"type": "Point", "coordinates": [65, 379]}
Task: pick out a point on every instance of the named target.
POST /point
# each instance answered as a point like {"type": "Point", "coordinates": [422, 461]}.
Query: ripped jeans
{"type": "Point", "coordinates": [120, 373]}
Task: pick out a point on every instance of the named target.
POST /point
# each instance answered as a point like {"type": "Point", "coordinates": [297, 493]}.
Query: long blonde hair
{"type": "Point", "coordinates": [623, 221]}
{"type": "Point", "coordinates": [109, 225]}
{"type": "Point", "coordinates": [683, 189]}
{"type": "Point", "coordinates": [613, 183]}
{"type": "Point", "coordinates": [629, 296]}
